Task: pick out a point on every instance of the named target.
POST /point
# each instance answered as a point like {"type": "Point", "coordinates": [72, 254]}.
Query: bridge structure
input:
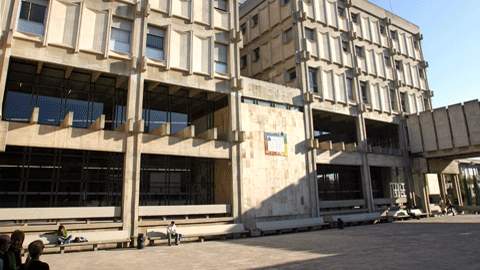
{"type": "Point", "coordinates": [436, 139]}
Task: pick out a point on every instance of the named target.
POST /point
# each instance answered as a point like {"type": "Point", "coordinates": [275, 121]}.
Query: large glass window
{"type": "Point", "coordinates": [45, 177]}
{"type": "Point", "coordinates": [170, 180]}
{"type": "Point", "coordinates": [32, 17]}
{"type": "Point", "coordinates": [155, 39]}
{"type": "Point", "coordinates": [339, 182]}
{"type": "Point", "coordinates": [313, 80]}
{"type": "Point", "coordinates": [56, 96]}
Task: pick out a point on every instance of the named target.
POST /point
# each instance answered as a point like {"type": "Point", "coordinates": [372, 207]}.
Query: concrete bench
{"type": "Point", "coordinates": [48, 219]}
{"type": "Point", "coordinates": [354, 219]}
{"type": "Point", "coordinates": [95, 239]}
{"type": "Point", "coordinates": [292, 224]}
{"type": "Point", "coordinates": [201, 232]}
{"type": "Point", "coordinates": [401, 214]}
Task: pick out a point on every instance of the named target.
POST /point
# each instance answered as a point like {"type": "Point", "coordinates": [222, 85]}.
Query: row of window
{"type": "Point", "coordinates": [271, 104]}
{"type": "Point", "coordinates": [32, 20]}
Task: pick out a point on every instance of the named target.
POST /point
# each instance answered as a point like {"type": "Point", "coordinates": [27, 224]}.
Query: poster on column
{"type": "Point", "coordinates": [276, 144]}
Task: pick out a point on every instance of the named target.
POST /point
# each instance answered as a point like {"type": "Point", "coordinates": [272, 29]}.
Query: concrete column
{"type": "Point", "coordinates": [133, 142]}
{"type": "Point", "coordinates": [365, 168]}
{"type": "Point", "coordinates": [457, 190]}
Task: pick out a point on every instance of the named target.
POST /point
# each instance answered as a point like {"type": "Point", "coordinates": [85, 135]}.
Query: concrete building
{"type": "Point", "coordinates": [209, 110]}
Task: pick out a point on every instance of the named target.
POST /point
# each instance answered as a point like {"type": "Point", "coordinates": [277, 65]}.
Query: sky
{"type": "Point", "coordinates": [451, 44]}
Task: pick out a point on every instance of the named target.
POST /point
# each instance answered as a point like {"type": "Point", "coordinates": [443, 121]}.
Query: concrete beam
{"type": "Point", "coordinates": [327, 145]}
{"type": "Point", "coordinates": [140, 126]}
{"type": "Point", "coordinates": [120, 80]}
{"type": "Point", "coordinates": [186, 133]}
{"type": "Point", "coordinates": [99, 124]}
{"type": "Point", "coordinates": [68, 71]}
{"type": "Point", "coordinates": [173, 89]}
{"type": "Point", "coordinates": [67, 121]}
{"type": "Point", "coordinates": [162, 130]}
{"type": "Point", "coordinates": [39, 67]}
{"type": "Point", "coordinates": [351, 147]}
{"type": "Point", "coordinates": [3, 135]}
{"type": "Point", "coordinates": [34, 116]}
{"type": "Point", "coordinates": [152, 86]}
{"type": "Point", "coordinates": [95, 76]}
{"type": "Point", "coordinates": [339, 146]}
{"type": "Point", "coordinates": [126, 126]}
{"type": "Point", "coordinates": [210, 134]}
{"type": "Point", "coordinates": [193, 93]}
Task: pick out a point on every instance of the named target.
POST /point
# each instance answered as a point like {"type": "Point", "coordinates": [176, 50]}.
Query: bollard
{"type": "Point", "coordinates": [141, 241]}
{"type": "Point", "coordinates": [340, 224]}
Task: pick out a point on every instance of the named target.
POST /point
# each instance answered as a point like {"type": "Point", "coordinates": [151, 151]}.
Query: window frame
{"type": "Point", "coordinates": [243, 61]}
{"type": "Point", "coordinates": [289, 73]}
{"type": "Point", "coordinates": [255, 54]}
{"type": "Point", "coordinates": [120, 30]}
{"type": "Point", "coordinates": [310, 30]}
{"type": "Point", "coordinates": [254, 20]}
{"type": "Point", "coordinates": [341, 12]}
{"type": "Point", "coordinates": [313, 80]}
{"type": "Point", "coordinates": [364, 92]}
{"type": "Point", "coordinates": [345, 46]}
{"type": "Point", "coordinates": [359, 51]}
{"type": "Point", "coordinates": [216, 5]}
{"type": "Point", "coordinates": [398, 65]}
{"type": "Point", "coordinates": [286, 35]}
{"type": "Point", "coordinates": [157, 35]}
{"type": "Point", "coordinates": [27, 25]}
{"type": "Point", "coordinates": [355, 17]}
{"type": "Point", "coordinates": [218, 62]}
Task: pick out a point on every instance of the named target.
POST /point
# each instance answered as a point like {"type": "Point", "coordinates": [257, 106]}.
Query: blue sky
{"type": "Point", "coordinates": [451, 44]}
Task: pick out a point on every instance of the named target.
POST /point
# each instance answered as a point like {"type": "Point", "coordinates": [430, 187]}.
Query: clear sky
{"type": "Point", "coordinates": [451, 44]}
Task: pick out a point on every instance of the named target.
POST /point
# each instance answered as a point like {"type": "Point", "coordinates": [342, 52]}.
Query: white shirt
{"type": "Point", "coordinates": [171, 229]}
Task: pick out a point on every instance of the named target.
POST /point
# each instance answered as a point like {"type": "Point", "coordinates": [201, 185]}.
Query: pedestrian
{"type": "Point", "coordinates": [63, 237]}
{"type": "Point", "coordinates": [4, 246]}
{"type": "Point", "coordinates": [13, 258]}
{"type": "Point", "coordinates": [441, 204]}
{"type": "Point", "coordinates": [450, 207]}
{"type": "Point", "coordinates": [172, 231]}
{"type": "Point", "coordinates": [35, 249]}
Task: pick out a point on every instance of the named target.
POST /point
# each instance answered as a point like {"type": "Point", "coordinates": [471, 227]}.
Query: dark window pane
{"type": "Point", "coordinates": [37, 13]}
{"type": "Point", "coordinates": [24, 10]}
{"type": "Point", "coordinates": [155, 42]}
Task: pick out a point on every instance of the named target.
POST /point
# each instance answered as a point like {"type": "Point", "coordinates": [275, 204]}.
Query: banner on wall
{"type": "Point", "coordinates": [276, 144]}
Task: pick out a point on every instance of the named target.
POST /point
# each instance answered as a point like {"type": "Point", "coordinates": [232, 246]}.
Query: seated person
{"type": "Point", "coordinates": [172, 230]}
{"type": "Point", "coordinates": [63, 237]}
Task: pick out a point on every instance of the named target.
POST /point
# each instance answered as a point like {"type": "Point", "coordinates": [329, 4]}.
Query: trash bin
{"type": "Point", "coordinates": [141, 241]}
{"type": "Point", "coordinates": [340, 224]}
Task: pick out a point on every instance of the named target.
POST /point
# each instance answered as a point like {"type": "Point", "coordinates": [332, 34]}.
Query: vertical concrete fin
{"type": "Point", "coordinates": [458, 125]}
{"type": "Point", "coordinates": [472, 113]}
{"type": "Point", "coordinates": [442, 128]}
{"type": "Point", "coordinates": [428, 128]}
{"type": "Point", "coordinates": [414, 134]}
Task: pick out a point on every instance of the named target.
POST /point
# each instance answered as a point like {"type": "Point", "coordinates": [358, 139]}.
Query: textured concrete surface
{"type": "Point", "coordinates": [433, 243]}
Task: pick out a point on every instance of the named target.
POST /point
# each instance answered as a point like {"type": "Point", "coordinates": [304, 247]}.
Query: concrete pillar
{"type": "Point", "coordinates": [457, 190]}
{"type": "Point", "coordinates": [365, 168]}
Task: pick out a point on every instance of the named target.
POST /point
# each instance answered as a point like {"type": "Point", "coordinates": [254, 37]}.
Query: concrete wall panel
{"type": "Point", "coordinates": [442, 128]}
{"type": "Point", "coordinates": [414, 134]}
{"type": "Point", "coordinates": [457, 122]}
{"type": "Point", "coordinates": [428, 129]}
{"type": "Point", "coordinates": [472, 113]}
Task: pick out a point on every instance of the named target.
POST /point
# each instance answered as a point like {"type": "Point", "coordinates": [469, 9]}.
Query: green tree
{"type": "Point", "coordinates": [466, 192]}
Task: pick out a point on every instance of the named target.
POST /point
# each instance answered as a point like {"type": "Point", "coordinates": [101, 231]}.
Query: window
{"type": "Point", "coordinates": [310, 34]}
{"type": "Point", "coordinates": [264, 103]}
{"type": "Point", "coordinates": [354, 18]}
{"type": "Point", "coordinates": [350, 89]}
{"type": "Point", "coordinates": [287, 35]}
{"type": "Point", "coordinates": [387, 61]}
{"type": "Point", "coordinates": [243, 61]}
{"type": "Point", "coordinates": [254, 20]}
{"type": "Point", "coordinates": [415, 44]}
{"type": "Point", "coordinates": [393, 34]}
{"type": "Point", "coordinates": [363, 89]}
{"type": "Point", "coordinates": [32, 17]}
{"type": "Point", "coordinates": [155, 38]}
{"type": "Point", "coordinates": [341, 12]}
{"type": "Point", "coordinates": [221, 5]}
{"type": "Point", "coordinates": [221, 57]}
{"type": "Point", "coordinates": [359, 51]}
{"type": "Point", "coordinates": [284, 2]}
{"type": "Point", "coordinates": [256, 54]}
{"type": "Point", "coordinates": [120, 35]}
{"type": "Point", "coordinates": [345, 46]}
{"type": "Point", "coordinates": [392, 100]}
{"type": "Point", "coordinates": [291, 74]}
{"type": "Point", "coordinates": [382, 30]}
{"type": "Point", "coordinates": [313, 81]}
{"type": "Point", "coordinates": [425, 103]}
{"type": "Point", "coordinates": [281, 106]}
{"type": "Point", "coordinates": [398, 64]}
{"type": "Point", "coordinates": [421, 73]}
{"type": "Point", "coordinates": [248, 100]}
{"type": "Point", "coordinates": [243, 28]}
{"type": "Point", "coordinates": [403, 98]}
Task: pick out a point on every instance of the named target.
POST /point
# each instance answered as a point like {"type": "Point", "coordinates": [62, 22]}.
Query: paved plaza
{"type": "Point", "coordinates": [430, 243]}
